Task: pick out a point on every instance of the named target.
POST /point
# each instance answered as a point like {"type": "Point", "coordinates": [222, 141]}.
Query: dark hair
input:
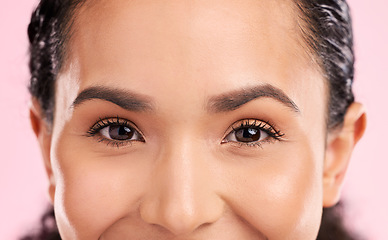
{"type": "Point", "coordinates": [48, 33]}
{"type": "Point", "coordinates": [325, 26]}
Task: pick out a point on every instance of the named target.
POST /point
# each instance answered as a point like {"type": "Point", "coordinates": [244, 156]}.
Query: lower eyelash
{"type": "Point", "coordinates": [112, 143]}
{"type": "Point", "coordinates": [258, 144]}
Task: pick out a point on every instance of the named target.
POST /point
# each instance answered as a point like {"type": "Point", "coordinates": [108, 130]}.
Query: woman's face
{"type": "Point", "coordinates": [188, 120]}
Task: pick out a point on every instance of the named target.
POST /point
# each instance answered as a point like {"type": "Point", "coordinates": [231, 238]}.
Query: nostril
{"type": "Point", "coordinates": [177, 222]}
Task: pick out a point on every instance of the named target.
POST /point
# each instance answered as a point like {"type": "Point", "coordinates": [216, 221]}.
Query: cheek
{"type": "Point", "coordinates": [281, 194]}
{"type": "Point", "coordinates": [93, 191]}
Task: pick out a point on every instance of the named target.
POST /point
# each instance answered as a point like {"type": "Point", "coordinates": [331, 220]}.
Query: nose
{"type": "Point", "coordinates": [182, 196]}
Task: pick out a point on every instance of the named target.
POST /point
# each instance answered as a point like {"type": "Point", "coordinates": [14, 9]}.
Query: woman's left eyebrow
{"type": "Point", "coordinates": [235, 99]}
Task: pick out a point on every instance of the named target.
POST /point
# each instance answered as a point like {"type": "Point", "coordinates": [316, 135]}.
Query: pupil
{"type": "Point", "coordinates": [120, 132]}
{"type": "Point", "coordinates": [248, 135]}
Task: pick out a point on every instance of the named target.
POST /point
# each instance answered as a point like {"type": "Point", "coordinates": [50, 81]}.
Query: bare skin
{"type": "Point", "coordinates": [184, 172]}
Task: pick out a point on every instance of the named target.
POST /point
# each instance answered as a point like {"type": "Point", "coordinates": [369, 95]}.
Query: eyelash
{"type": "Point", "coordinates": [265, 126]}
{"type": "Point", "coordinates": [94, 131]}
{"type": "Point", "coordinates": [260, 125]}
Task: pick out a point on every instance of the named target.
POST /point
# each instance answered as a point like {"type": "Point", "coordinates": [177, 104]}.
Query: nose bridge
{"type": "Point", "coordinates": [182, 196]}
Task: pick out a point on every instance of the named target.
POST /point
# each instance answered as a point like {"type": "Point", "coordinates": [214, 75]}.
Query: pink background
{"type": "Point", "coordinates": [22, 179]}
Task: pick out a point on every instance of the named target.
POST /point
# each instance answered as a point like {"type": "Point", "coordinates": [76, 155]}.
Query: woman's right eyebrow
{"type": "Point", "coordinates": [123, 98]}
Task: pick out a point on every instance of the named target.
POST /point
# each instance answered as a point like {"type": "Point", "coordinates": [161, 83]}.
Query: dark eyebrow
{"type": "Point", "coordinates": [123, 98]}
{"type": "Point", "coordinates": [232, 100]}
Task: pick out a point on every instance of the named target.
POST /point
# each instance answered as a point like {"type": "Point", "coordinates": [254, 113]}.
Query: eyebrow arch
{"type": "Point", "coordinates": [235, 99]}
{"type": "Point", "coordinates": [123, 98]}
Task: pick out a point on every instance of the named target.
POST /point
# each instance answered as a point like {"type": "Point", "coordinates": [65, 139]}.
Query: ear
{"type": "Point", "coordinates": [340, 144]}
{"type": "Point", "coordinates": [43, 134]}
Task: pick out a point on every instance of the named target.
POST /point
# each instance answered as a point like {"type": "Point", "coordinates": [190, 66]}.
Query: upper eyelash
{"type": "Point", "coordinates": [262, 125]}
{"type": "Point", "coordinates": [105, 122]}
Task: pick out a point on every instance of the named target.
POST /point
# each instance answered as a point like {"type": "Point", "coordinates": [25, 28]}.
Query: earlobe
{"type": "Point", "coordinates": [340, 144]}
{"type": "Point", "coordinates": [43, 135]}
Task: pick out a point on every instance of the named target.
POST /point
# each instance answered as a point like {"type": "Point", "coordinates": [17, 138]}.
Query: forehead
{"type": "Point", "coordinates": [187, 30]}
{"type": "Point", "coordinates": [183, 43]}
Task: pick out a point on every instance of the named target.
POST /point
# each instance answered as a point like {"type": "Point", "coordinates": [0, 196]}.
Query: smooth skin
{"type": "Point", "coordinates": [184, 174]}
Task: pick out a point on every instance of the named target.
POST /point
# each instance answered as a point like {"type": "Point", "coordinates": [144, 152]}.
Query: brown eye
{"type": "Point", "coordinates": [120, 133]}
{"type": "Point", "coordinates": [246, 135]}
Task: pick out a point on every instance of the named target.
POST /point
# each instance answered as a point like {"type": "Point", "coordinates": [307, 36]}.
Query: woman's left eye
{"type": "Point", "coordinates": [252, 132]}
{"type": "Point", "coordinates": [246, 135]}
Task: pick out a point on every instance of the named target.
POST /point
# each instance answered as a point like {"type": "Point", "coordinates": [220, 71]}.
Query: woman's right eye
{"type": "Point", "coordinates": [115, 131]}
{"type": "Point", "coordinates": [120, 133]}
